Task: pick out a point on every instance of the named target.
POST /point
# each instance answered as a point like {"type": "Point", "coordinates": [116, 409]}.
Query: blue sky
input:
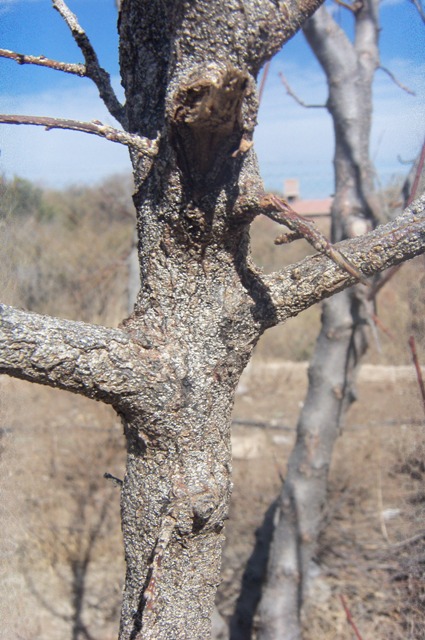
{"type": "Point", "coordinates": [290, 141]}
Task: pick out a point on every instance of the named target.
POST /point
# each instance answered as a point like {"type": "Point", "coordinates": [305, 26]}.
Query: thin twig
{"type": "Point", "coordinates": [408, 541]}
{"type": "Point", "coordinates": [397, 82]}
{"type": "Point", "coordinates": [344, 4]}
{"type": "Point", "coordinates": [418, 5]}
{"type": "Point", "coordinates": [143, 145]}
{"type": "Point", "coordinates": [354, 8]}
{"type": "Point", "coordinates": [378, 322]}
{"type": "Point", "coordinates": [293, 95]}
{"type": "Point", "coordinates": [42, 61]}
{"type": "Point", "coordinates": [391, 272]}
{"type": "Point", "coordinates": [263, 81]}
{"type": "Point", "coordinates": [94, 71]}
{"type": "Point", "coordinates": [117, 481]}
{"type": "Point", "coordinates": [412, 345]}
{"type": "Point", "coordinates": [383, 281]}
{"type": "Point", "coordinates": [418, 174]}
{"type": "Point", "coordinates": [280, 211]}
{"type": "Point", "coordinates": [350, 618]}
{"type": "Point", "coordinates": [287, 238]}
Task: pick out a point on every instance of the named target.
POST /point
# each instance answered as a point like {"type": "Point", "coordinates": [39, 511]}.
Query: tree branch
{"type": "Point", "coordinates": [280, 19]}
{"type": "Point", "coordinates": [294, 13]}
{"type": "Point", "coordinates": [420, 9]}
{"type": "Point", "coordinates": [301, 285]}
{"type": "Point", "coordinates": [138, 143]}
{"type": "Point", "coordinates": [279, 210]}
{"type": "Point", "coordinates": [42, 61]}
{"type": "Point", "coordinates": [293, 95]}
{"type": "Point", "coordinates": [397, 82]}
{"type": "Point", "coordinates": [327, 40]}
{"type": "Point", "coordinates": [354, 8]}
{"type": "Point", "coordinates": [91, 360]}
{"type": "Point", "coordinates": [263, 81]}
{"type": "Point", "coordinates": [93, 69]}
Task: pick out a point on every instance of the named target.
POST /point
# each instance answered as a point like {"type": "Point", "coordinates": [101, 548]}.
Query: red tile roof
{"type": "Point", "coordinates": [312, 207]}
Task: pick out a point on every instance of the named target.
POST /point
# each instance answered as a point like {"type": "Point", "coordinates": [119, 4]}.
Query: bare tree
{"type": "Point", "coordinates": [171, 369]}
{"type": "Point", "coordinates": [343, 339]}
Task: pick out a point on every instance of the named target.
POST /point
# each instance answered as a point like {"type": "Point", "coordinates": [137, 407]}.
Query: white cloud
{"type": "Point", "coordinates": [57, 157]}
{"type": "Point", "coordinates": [7, 5]}
{"type": "Point", "coordinates": [292, 141]}
{"type": "Point", "coordinates": [398, 117]}
{"type": "Point", "coordinates": [390, 3]}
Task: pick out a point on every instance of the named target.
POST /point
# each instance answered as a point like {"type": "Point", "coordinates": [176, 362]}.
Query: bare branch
{"type": "Point", "coordinates": [418, 175]}
{"type": "Point", "coordinates": [138, 143]}
{"type": "Point", "coordinates": [94, 71]}
{"type": "Point", "coordinates": [354, 8]}
{"type": "Point", "coordinates": [117, 481]}
{"type": "Point", "coordinates": [299, 286]}
{"type": "Point", "coordinates": [408, 200]}
{"type": "Point", "coordinates": [91, 360]}
{"type": "Point", "coordinates": [408, 541]}
{"type": "Point", "coordinates": [42, 61]}
{"type": "Point", "coordinates": [412, 345]}
{"type": "Point", "coordinates": [327, 40]}
{"type": "Point", "coordinates": [344, 4]}
{"type": "Point", "coordinates": [263, 81]}
{"type": "Point", "coordinates": [420, 8]}
{"type": "Point", "coordinates": [280, 211]}
{"type": "Point", "coordinates": [291, 93]}
{"type": "Point", "coordinates": [350, 619]}
{"type": "Point", "coordinates": [383, 281]}
{"type": "Point", "coordinates": [286, 18]}
{"type": "Point", "coordinates": [397, 82]}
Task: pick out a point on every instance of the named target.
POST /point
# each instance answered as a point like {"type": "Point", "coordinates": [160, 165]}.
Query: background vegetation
{"type": "Point", "coordinates": [65, 252]}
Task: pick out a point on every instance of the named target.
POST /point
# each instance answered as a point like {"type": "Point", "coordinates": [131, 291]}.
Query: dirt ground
{"type": "Point", "coordinates": [61, 562]}
{"type": "Point", "coordinates": [376, 501]}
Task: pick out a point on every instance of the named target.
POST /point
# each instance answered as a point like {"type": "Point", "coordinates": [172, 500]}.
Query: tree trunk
{"type": "Point", "coordinates": [177, 484]}
{"type": "Point", "coordinates": [197, 302]}
{"type": "Point", "coordinates": [343, 337]}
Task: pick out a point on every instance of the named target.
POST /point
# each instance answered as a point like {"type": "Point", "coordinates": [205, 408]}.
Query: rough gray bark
{"type": "Point", "coordinates": [171, 369]}
{"type": "Point", "coordinates": [349, 68]}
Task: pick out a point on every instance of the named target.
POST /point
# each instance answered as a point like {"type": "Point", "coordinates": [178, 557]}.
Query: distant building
{"type": "Point", "coordinates": [315, 208]}
{"type": "Point", "coordinates": [291, 189]}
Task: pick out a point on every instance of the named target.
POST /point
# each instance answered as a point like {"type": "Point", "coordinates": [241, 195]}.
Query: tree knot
{"type": "Point", "coordinates": [207, 127]}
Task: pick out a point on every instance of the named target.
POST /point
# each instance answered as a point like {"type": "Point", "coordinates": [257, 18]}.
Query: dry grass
{"type": "Point", "coordinates": [358, 557]}
{"type": "Point", "coordinates": [359, 550]}
{"type": "Point", "coordinates": [55, 449]}
{"type": "Point", "coordinates": [62, 564]}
